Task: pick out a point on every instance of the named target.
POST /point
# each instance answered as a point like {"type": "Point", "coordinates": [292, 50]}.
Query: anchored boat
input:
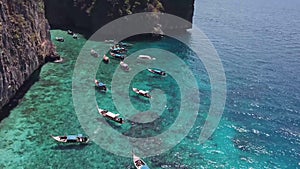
{"type": "Point", "coordinates": [110, 115]}
{"type": "Point", "coordinates": [101, 86]}
{"type": "Point", "coordinates": [59, 39]}
{"type": "Point", "coordinates": [139, 163]}
{"type": "Point", "coordinates": [158, 72]}
{"type": "Point", "coordinates": [146, 57]}
{"type": "Point", "coordinates": [141, 92]}
{"type": "Point", "coordinates": [105, 59]}
{"type": "Point", "coordinates": [71, 139]}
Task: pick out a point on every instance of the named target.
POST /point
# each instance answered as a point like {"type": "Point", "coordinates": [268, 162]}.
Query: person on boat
{"type": "Point", "coordinates": [103, 112]}
{"type": "Point", "coordinates": [84, 139]}
{"type": "Point", "coordinates": [79, 139]}
{"type": "Point", "coordinates": [139, 163]}
{"type": "Point", "coordinates": [119, 120]}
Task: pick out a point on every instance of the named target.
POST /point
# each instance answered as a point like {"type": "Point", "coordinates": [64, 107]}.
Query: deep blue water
{"type": "Point", "coordinates": [259, 45]}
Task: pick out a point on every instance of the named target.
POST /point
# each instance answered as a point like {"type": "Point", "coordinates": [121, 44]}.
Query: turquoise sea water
{"type": "Point", "coordinates": [259, 48]}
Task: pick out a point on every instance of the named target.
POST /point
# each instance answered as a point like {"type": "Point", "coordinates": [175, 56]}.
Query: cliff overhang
{"type": "Point", "coordinates": [87, 16]}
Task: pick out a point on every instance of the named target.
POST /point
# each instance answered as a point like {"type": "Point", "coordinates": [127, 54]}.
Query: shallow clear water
{"type": "Point", "coordinates": [259, 48]}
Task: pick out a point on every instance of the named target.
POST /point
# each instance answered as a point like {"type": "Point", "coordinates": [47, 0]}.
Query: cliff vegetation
{"type": "Point", "coordinates": [88, 16]}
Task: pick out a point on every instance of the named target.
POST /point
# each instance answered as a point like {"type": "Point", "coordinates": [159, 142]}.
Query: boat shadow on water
{"type": "Point", "coordinates": [141, 99]}
{"type": "Point", "coordinates": [109, 123]}
{"type": "Point", "coordinates": [69, 146]}
{"type": "Point", "coordinates": [100, 90]}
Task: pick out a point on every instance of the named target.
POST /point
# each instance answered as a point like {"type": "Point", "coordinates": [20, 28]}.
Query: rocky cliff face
{"type": "Point", "coordinates": [181, 8]}
{"type": "Point", "coordinates": [90, 15]}
{"type": "Point", "coordinates": [24, 43]}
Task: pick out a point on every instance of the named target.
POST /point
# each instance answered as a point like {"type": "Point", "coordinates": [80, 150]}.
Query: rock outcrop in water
{"type": "Point", "coordinates": [89, 15]}
{"type": "Point", "coordinates": [24, 43]}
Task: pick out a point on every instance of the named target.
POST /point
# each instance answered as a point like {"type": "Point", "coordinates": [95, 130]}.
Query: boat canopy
{"type": "Point", "coordinates": [119, 55]}
{"type": "Point", "coordinates": [145, 167]}
{"type": "Point", "coordinates": [101, 84]}
{"type": "Point", "coordinates": [110, 114]}
{"type": "Point", "coordinates": [157, 71]}
{"type": "Point", "coordinates": [118, 48]}
{"type": "Point", "coordinates": [72, 137]}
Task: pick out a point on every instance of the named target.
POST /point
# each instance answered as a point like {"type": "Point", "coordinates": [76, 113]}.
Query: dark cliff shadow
{"type": "Point", "coordinates": [14, 102]}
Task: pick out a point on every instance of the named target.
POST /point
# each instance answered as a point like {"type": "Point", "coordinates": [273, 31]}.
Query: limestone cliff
{"type": "Point", "coordinates": [89, 15]}
{"type": "Point", "coordinates": [24, 43]}
{"type": "Point", "coordinates": [181, 8]}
